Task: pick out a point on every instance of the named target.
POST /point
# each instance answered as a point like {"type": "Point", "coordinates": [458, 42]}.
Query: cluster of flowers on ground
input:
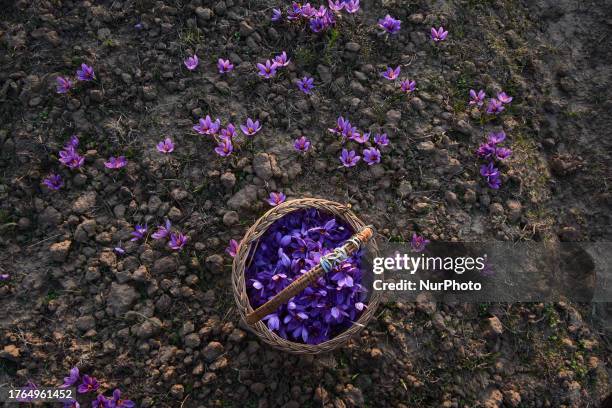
{"type": "Point", "coordinates": [291, 247]}
{"type": "Point", "coordinates": [86, 384]}
{"type": "Point", "coordinates": [346, 131]}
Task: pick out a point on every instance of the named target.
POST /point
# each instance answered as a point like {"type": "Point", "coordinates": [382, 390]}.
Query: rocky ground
{"type": "Point", "coordinates": [162, 326]}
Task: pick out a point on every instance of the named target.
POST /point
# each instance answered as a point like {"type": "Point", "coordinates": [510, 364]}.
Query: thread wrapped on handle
{"type": "Point", "coordinates": [326, 264]}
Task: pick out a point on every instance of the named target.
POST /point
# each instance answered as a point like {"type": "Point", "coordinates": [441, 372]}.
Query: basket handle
{"type": "Point", "coordinates": [325, 265]}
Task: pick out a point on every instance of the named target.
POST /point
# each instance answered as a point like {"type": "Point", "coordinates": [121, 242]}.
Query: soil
{"type": "Point", "coordinates": [162, 325]}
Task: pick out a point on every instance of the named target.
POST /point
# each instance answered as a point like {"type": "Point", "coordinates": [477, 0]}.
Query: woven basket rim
{"type": "Point", "coordinates": [254, 233]}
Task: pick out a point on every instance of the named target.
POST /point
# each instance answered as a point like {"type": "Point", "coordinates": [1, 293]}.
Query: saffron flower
{"type": "Point", "coordinates": [490, 150]}
{"type": "Point", "coordinates": [232, 248]}
{"type": "Point", "coordinates": [74, 141]}
{"type": "Point", "coordinates": [268, 70]}
{"type": "Point", "coordinates": [53, 181]}
{"type": "Point", "coordinates": [336, 6]}
{"type": "Point", "coordinates": [101, 402]}
{"type": "Point", "coordinates": [391, 73]}
{"type": "Point", "coordinates": [165, 146]}
{"type": "Point", "coordinates": [276, 198]}
{"type": "Point", "coordinates": [89, 384]}
{"type": "Point", "coordinates": [115, 162]}
{"type": "Point", "coordinates": [504, 98]}
{"type": "Point", "coordinates": [477, 98]}
{"type": "Point", "coordinates": [207, 126]}
{"type": "Point", "coordinates": [408, 86]}
{"type": "Point", "coordinates": [305, 84]}
{"type": "Point", "coordinates": [495, 107]}
{"type": "Point", "coordinates": [86, 73]}
{"type": "Point", "coordinates": [119, 250]}
{"type": "Point", "coordinates": [63, 85]}
{"type": "Point", "coordinates": [349, 159]}
{"type": "Point", "coordinates": [224, 66]}
{"type": "Point", "coordinates": [389, 24]}
{"type": "Point", "coordinates": [439, 34]}
{"type": "Point", "coordinates": [4, 276]}
{"type": "Point", "coordinates": [341, 125]}
{"type": "Point", "coordinates": [361, 138]}
{"type": "Point", "coordinates": [381, 139]}
{"type": "Point", "coordinates": [72, 404]}
{"type": "Point", "coordinates": [118, 402]}
{"type": "Point", "coordinates": [351, 6]}
{"type": "Point", "coordinates": [72, 378]}
{"type": "Point", "coordinates": [229, 132]}
{"type": "Point", "coordinates": [302, 144]}
{"type": "Point", "coordinates": [70, 157]}
{"type": "Point", "coordinates": [177, 241]}
{"type": "Point", "coordinates": [162, 231]}
{"type": "Point", "coordinates": [250, 127]}
{"type": "Point", "coordinates": [491, 173]}
{"type": "Point", "coordinates": [276, 15]}
{"type": "Point", "coordinates": [224, 148]}
{"type": "Point", "coordinates": [418, 243]}
{"type": "Point", "coordinates": [281, 60]}
{"type": "Point", "coordinates": [371, 156]}
{"type": "Point", "coordinates": [192, 62]}
{"type": "Point", "coordinates": [495, 138]}
{"type": "Point", "coordinates": [139, 232]}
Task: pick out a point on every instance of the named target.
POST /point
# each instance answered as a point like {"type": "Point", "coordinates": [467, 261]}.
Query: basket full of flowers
{"type": "Point", "coordinates": [297, 276]}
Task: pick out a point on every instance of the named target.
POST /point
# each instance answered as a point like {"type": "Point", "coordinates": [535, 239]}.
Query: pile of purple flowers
{"type": "Point", "coordinates": [225, 137]}
{"type": "Point", "coordinates": [69, 156]}
{"type": "Point", "coordinates": [291, 247]}
{"type": "Point", "coordinates": [346, 131]}
{"type": "Point", "coordinates": [176, 240]}
{"type": "Point", "coordinates": [85, 74]}
{"type": "Point", "coordinates": [492, 152]}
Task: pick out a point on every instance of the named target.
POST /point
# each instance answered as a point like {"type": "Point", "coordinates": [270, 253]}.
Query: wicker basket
{"type": "Point", "coordinates": [239, 285]}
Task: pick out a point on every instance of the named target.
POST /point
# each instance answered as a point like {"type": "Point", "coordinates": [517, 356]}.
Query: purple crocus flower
{"type": "Point", "coordinates": [72, 404]}
{"type": "Point", "coordinates": [302, 144]}
{"type": "Point", "coordinates": [70, 158]}
{"type": "Point", "coordinates": [119, 250]}
{"type": "Point", "coordinates": [391, 73]}
{"type": "Point", "coordinates": [341, 125]}
{"type": "Point", "coordinates": [73, 141]}
{"type": "Point", "coordinates": [86, 73]}
{"type": "Point", "coordinates": [371, 156]}
{"type": "Point", "coordinates": [317, 25]}
{"type": "Point", "coordinates": [177, 241]}
{"type": "Point", "coordinates": [4, 277]}
{"type": "Point", "coordinates": [72, 378]}
{"type": "Point", "coordinates": [139, 232]}
{"type": "Point", "coordinates": [349, 159]}
{"type": "Point", "coordinates": [276, 15]}
{"type": "Point", "coordinates": [477, 98]}
{"type": "Point", "coordinates": [276, 198]}
{"type": "Point", "coordinates": [165, 146]}
{"type": "Point", "coordinates": [381, 139]}
{"type": "Point", "coordinates": [250, 127]}
{"type": "Point", "coordinates": [504, 98]}
{"type": "Point", "coordinates": [224, 66]}
{"type": "Point", "coordinates": [491, 173]}
{"type": "Point", "coordinates": [89, 384]}
{"type": "Point", "coordinates": [408, 86]}
{"type": "Point", "coordinates": [224, 148]}
{"type": "Point", "coordinates": [351, 6]}
{"type": "Point", "coordinates": [305, 84]}
{"type": "Point", "coordinates": [53, 181]}
{"type": "Point", "coordinates": [389, 24]}
{"type": "Point", "coordinates": [502, 153]}
{"type": "Point", "coordinates": [495, 107]}
{"type": "Point", "coordinates": [207, 126]}
{"type": "Point", "coordinates": [418, 243]}
{"type": "Point", "coordinates": [162, 231]}
{"type": "Point", "coordinates": [229, 132]}
{"type": "Point", "coordinates": [192, 62]}
{"type": "Point", "coordinates": [281, 60]}
{"type": "Point", "coordinates": [63, 85]}
{"type": "Point", "coordinates": [268, 70]}
{"type": "Point", "coordinates": [361, 138]}
{"type": "Point", "coordinates": [494, 182]}
{"type": "Point", "coordinates": [232, 248]}
{"type": "Point", "coordinates": [118, 402]}
{"type": "Point", "coordinates": [495, 138]}
{"type": "Point", "coordinates": [115, 162]}
{"type": "Point", "coordinates": [336, 6]}
{"type": "Point", "coordinates": [101, 402]}
{"type": "Point", "coordinates": [439, 34]}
